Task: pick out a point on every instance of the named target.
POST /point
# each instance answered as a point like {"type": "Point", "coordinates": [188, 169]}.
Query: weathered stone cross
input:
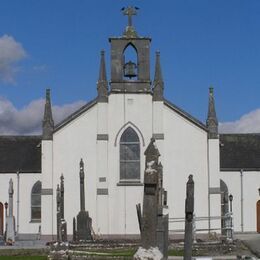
{"type": "Point", "coordinates": [130, 11]}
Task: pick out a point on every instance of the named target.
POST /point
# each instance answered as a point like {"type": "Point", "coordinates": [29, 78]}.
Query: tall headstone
{"type": "Point", "coordinates": [61, 223]}
{"type": "Point", "coordinates": [84, 222]}
{"type": "Point", "coordinates": [58, 199]}
{"type": "Point", "coordinates": [153, 223]}
{"type": "Point", "coordinates": [62, 196]}
{"type": "Point", "coordinates": [189, 209]}
{"type": "Point", "coordinates": [74, 230]}
{"type": "Point", "coordinates": [10, 232]}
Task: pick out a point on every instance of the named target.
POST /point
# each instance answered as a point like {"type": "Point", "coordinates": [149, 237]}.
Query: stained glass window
{"type": "Point", "coordinates": [129, 156]}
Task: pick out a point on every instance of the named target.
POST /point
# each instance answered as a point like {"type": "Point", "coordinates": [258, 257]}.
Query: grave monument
{"type": "Point", "coordinates": [189, 209]}
{"type": "Point", "coordinates": [84, 222]}
{"type": "Point", "coordinates": [153, 223]}
{"type": "Point", "coordinates": [10, 221]}
{"type": "Point", "coordinates": [61, 222]}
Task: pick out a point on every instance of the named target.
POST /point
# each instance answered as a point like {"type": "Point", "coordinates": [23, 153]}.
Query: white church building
{"type": "Point", "coordinates": [110, 134]}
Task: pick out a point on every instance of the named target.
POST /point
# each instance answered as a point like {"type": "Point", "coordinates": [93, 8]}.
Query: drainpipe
{"type": "Point", "coordinates": [18, 202]}
{"type": "Point", "coordinates": [242, 200]}
{"type": "Point", "coordinates": [208, 166]}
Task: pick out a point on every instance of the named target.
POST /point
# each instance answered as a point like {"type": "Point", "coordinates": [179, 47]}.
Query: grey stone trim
{"type": "Point", "coordinates": [158, 136]}
{"type": "Point", "coordinates": [102, 137]}
{"type": "Point", "coordinates": [47, 123]}
{"type": "Point", "coordinates": [102, 84]}
{"type": "Point", "coordinates": [239, 169]}
{"type": "Point", "coordinates": [212, 121]}
{"type": "Point", "coordinates": [124, 127]}
{"type": "Point", "coordinates": [214, 190]}
{"type": "Point", "coordinates": [118, 91]}
{"type": "Point", "coordinates": [186, 115]}
{"type": "Point", "coordinates": [33, 239]}
{"type": "Point", "coordinates": [46, 238]}
{"type": "Point", "coordinates": [35, 221]}
{"type": "Point", "coordinates": [131, 87]}
{"type": "Point", "coordinates": [102, 191]}
{"type": "Point", "coordinates": [47, 191]}
{"type": "Point", "coordinates": [132, 38]}
{"type": "Point", "coordinates": [21, 172]}
{"type": "Point", "coordinates": [102, 179]}
{"type": "Point", "coordinates": [129, 183]}
{"type": "Point", "coordinates": [75, 115]}
{"type": "Point", "coordinates": [158, 85]}
{"type": "Point", "coordinates": [213, 135]}
{"type": "Point", "coordinates": [142, 47]}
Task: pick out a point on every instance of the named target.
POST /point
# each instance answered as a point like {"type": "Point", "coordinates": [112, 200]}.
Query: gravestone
{"type": "Point", "coordinates": [10, 222]}
{"type": "Point", "coordinates": [189, 209]}
{"type": "Point", "coordinates": [153, 223]}
{"type": "Point", "coordinates": [61, 222]}
{"type": "Point", "coordinates": [74, 230]}
{"type": "Point", "coordinates": [84, 222]}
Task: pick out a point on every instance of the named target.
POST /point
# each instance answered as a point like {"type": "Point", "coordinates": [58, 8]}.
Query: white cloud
{"type": "Point", "coordinates": [11, 52]}
{"type": "Point", "coordinates": [248, 123]}
{"type": "Point", "coordinates": [28, 120]}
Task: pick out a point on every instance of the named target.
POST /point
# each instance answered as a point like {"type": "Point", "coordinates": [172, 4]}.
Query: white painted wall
{"type": "Point", "coordinates": [74, 141]}
{"type": "Point", "coordinates": [47, 183]}
{"type": "Point", "coordinates": [184, 152]}
{"type": "Point", "coordinates": [251, 183]}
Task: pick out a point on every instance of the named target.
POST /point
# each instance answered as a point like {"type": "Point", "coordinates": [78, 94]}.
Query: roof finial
{"type": "Point", "coordinates": [212, 121]}
{"type": "Point", "coordinates": [102, 85]}
{"type": "Point", "coordinates": [158, 85]}
{"type": "Point", "coordinates": [48, 123]}
{"type": "Point", "coordinates": [130, 11]}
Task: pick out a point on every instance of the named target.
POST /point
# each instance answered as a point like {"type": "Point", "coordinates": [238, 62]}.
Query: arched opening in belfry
{"type": "Point", "coordinates": [130, 61]}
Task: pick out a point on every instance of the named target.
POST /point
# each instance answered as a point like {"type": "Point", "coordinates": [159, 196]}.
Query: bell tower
{"type": "Point", "coordinates": [130, 74]}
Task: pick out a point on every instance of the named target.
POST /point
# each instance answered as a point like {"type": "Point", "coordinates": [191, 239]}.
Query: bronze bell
{"type": "Point", "coordinates": [130, 69]}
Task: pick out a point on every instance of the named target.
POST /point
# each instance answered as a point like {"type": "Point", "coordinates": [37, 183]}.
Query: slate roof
{"type": "Point", "coordinates": [20, 153]}
{"type": "Point", "coordinates": [239, 151]}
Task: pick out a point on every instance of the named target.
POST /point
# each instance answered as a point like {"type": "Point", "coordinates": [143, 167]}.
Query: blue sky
{"type": "Point", "coordinates": [202, 43]}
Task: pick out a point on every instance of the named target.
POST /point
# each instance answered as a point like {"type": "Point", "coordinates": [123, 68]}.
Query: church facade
{"type": "Point", "coordinates": [110, 135]}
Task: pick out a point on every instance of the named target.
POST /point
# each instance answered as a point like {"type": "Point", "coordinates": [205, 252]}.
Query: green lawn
{"type": "Point", "coordinates": [23, 257]}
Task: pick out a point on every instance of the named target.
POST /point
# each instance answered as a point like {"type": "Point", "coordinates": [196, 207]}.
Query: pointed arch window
{"type": "Point", "coordinates": [129, 156]}
{"type": "Point", "coordinates": [36, 201]}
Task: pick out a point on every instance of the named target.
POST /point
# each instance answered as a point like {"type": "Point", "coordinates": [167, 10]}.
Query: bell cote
{"type": "Point", "coordinates": [130, 59]}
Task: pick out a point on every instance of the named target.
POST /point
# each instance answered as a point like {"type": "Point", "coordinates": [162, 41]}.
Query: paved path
{"type": "Point", "coordinates": [252, 240]}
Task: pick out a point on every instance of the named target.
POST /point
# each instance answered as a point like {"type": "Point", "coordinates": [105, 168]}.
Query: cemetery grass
{"type": "Point", "coordinates": [12, 257]}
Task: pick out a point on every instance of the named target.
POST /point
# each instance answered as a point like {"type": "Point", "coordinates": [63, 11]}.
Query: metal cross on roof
{"type": "Point", "coordinates": [130, 11]}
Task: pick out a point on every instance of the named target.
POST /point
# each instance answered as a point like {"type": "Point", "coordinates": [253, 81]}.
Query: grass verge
{"type": "Point", "coordinates": [23, 257]}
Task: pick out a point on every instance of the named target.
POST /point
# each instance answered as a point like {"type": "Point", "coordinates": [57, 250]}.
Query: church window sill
{"type": "Point", "coordinates": [130, 183]}
{"type": "Point", "coordinates": [35, 221]}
